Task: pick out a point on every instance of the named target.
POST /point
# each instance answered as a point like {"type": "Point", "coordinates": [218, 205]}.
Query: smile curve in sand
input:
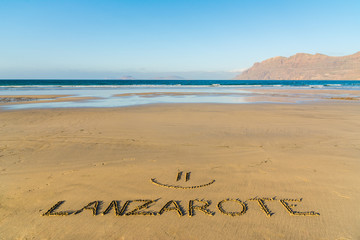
{"type": "Point", "coordinates": [154, 181]}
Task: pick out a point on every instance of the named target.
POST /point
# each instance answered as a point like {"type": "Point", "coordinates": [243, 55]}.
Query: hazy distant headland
{"type": "Point", "coordinates": [304, 66]}
{"type": "Point", "coordinates": [156, 78]}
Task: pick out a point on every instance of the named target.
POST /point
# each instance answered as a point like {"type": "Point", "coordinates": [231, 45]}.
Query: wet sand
{"type": "Point", "coordinates": [24, 99]}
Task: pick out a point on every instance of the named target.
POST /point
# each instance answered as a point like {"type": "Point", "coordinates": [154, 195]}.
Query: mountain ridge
{"type": "Point", "coordinates": [305, 66]}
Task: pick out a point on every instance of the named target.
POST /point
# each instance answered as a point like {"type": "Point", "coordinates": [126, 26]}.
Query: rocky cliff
{"type": "Point", "coordinates": [304, 66]}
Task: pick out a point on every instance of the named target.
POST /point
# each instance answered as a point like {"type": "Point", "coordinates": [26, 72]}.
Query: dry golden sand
{"type": "Point", "coordinates": [292, 151]}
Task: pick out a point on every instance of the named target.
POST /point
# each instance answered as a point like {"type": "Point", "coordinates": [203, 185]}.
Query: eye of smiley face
{"type": "Point", "coordinates": [178, 178]}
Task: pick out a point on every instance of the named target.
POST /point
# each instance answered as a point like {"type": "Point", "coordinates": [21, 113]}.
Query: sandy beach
{"type": "Point", "coordinates": [179, 120]}
{"type": "Point", "coordinates": [241, 168]}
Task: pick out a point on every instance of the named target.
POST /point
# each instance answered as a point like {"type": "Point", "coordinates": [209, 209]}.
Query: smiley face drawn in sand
{"type": "Point", "coordinates": [178, 178]}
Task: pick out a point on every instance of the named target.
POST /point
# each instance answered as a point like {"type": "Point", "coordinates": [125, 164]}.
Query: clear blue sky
{"type": "Point", "coordinates": [88, 38]}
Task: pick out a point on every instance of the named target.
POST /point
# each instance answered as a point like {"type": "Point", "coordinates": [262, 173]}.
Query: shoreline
{"type": "Point", "coordinates": [335, 102]}
{"type": "Point", "coordinates": [235, 96]}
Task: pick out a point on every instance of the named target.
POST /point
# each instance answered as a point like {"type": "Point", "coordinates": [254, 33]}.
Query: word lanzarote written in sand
{"type": "Point", "coordinates": [141, 206]}
{"type": "Point", "coordinates": [137, 207]}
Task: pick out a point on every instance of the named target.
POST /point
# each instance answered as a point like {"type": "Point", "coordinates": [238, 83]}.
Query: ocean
{"type": "Point", "coordinates": [114, 83]}
{"type": "Point", "coordinates": [120, 93]}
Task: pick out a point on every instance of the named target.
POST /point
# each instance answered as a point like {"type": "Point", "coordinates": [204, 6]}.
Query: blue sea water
{"type": "Point", "coordinates": [114, 83]}
{"type": "Point", "coordinates": [118, 93]}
